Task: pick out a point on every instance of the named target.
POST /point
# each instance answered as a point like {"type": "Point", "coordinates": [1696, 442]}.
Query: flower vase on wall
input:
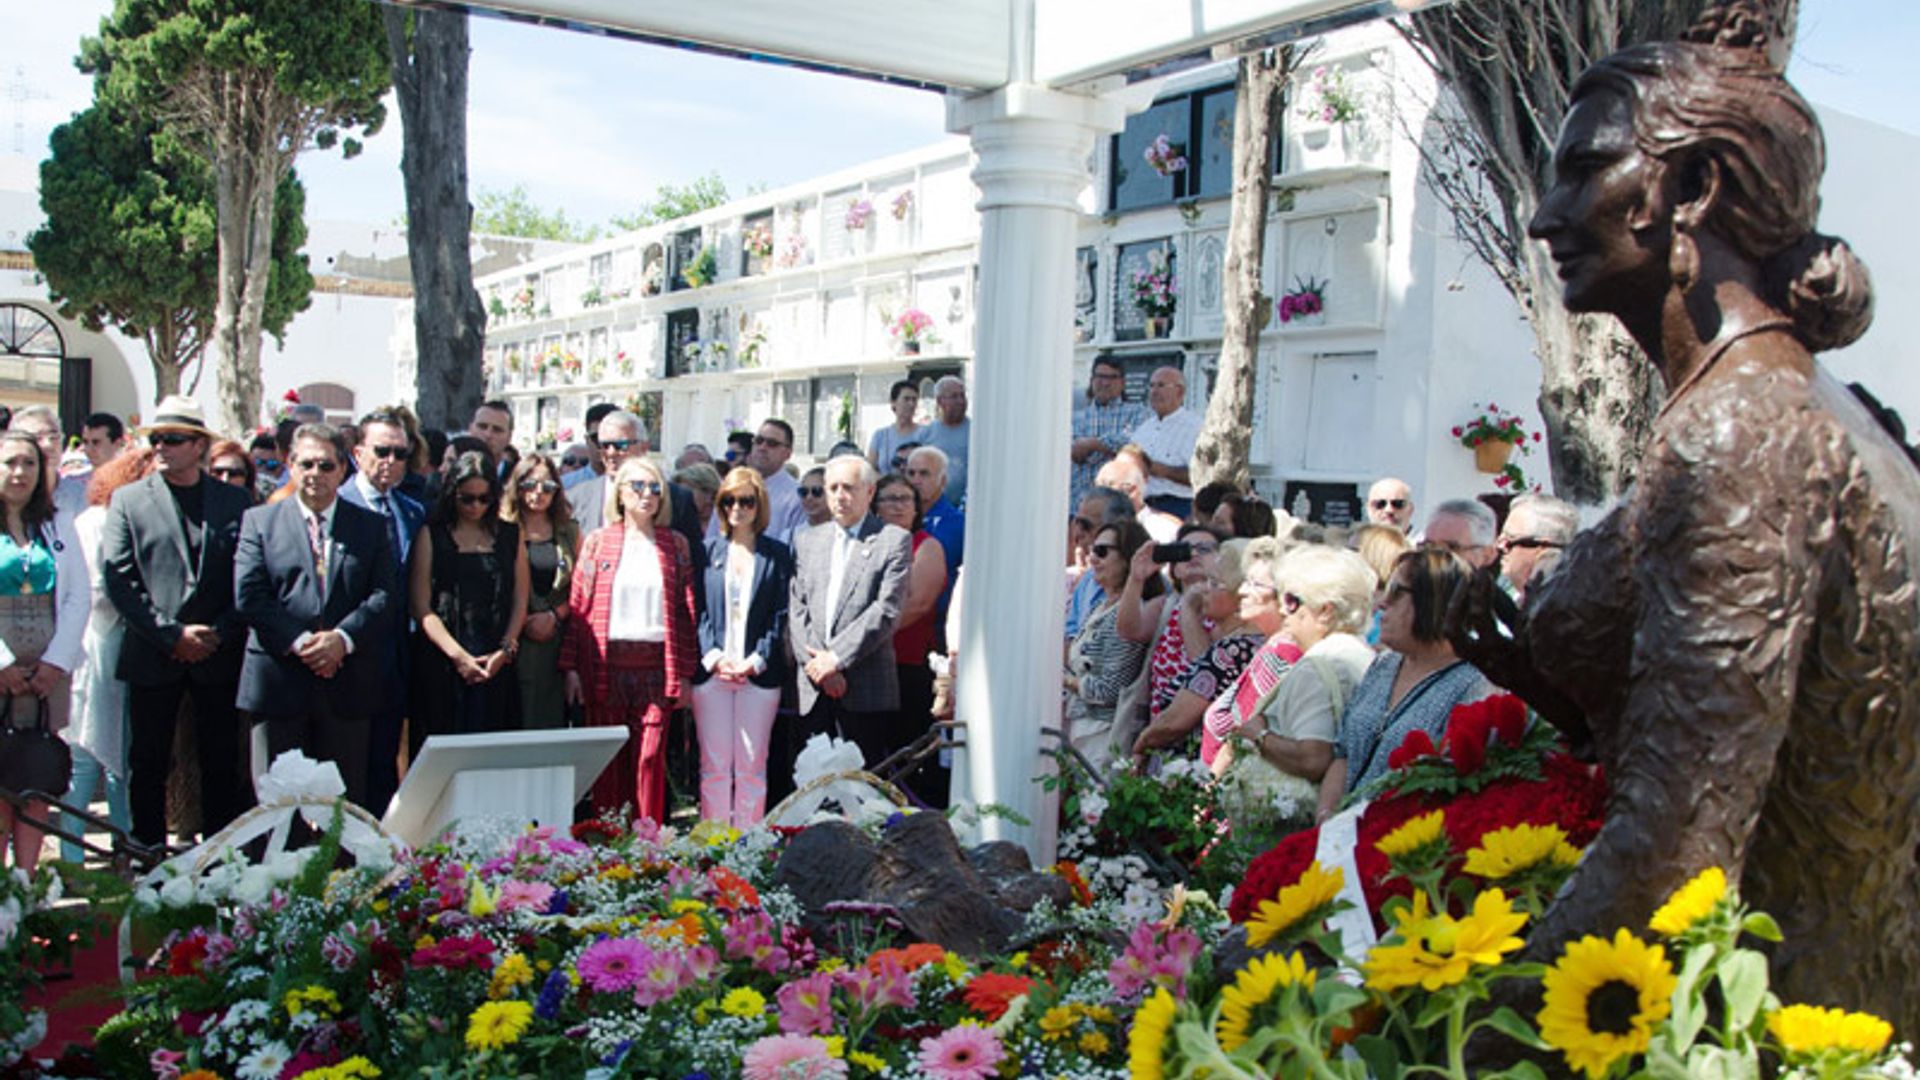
{"type": "Point", "coordinates": [1491, 456]}
{"type": "Point", "coordinates": [1157, 327]}
{"type": "Point", "coordinates": [910, 348]}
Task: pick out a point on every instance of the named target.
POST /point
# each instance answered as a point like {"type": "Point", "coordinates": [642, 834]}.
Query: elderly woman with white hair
{"type": "Point", "coordinates": [1326, 597]}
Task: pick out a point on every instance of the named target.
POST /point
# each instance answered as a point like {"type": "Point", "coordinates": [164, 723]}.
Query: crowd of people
{"type": "Point", "coordinates": [351, 590]}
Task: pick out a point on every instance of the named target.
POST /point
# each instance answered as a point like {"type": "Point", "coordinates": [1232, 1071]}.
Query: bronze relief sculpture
{"type": "Point", "coordinates": [1738, 642]}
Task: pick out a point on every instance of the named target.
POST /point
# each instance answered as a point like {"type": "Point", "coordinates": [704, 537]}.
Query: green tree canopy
{"type": "Point", "coordinates": [129, 239]}
{"type": "Point", "coordinates": [673, 201]}
{"type": "Point", "coordinates": [514, 213]}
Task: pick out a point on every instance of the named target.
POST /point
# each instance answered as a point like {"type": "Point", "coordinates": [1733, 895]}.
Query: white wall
{"type": "Point", "coordinates": [340, 339]}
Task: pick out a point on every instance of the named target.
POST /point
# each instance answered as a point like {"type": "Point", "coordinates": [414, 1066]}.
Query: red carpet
{"type": "Point", "coordinates": [77, 1001]}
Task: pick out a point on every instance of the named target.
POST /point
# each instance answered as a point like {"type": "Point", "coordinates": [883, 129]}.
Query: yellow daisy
{"type": "Point", "coordinates": [1315, 890]}
{"type": "Point", "coordinates": [1152, 1023]}
{"type": "Point", "coordinates": [743, 1001]}
{"type": "Point", "coordinates": [1413, 834]}
{"type": "Point", "coordinates": [1094, 1044]}
{"type": "Point", "coordinates": [1806, 1030]}
{"type": "Point", "coordinates": [1604, 998]}
{"type": "Point", "coordinates": [1057, 1023]}
{"type": "Point", "coordinates": [498, 1024]}
{"type": "Point", "coordinates": [1253, 987]}
{"type": "Point", "coordinates": [1691, 903]}
{"type": "Point", "coordinates": [1505, 852]}
{"type": "Point", "coordinates": [510, 973]}
{"type": "Point", "coordinates": [1436, 950]}
{"type": "Point", "coordinates": [873, 1063]}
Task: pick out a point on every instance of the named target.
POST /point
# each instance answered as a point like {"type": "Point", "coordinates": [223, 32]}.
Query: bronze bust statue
{"type": "Point", "coordinates": [1738, 642]}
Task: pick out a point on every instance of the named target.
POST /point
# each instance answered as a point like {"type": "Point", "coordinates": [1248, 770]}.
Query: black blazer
{"type": "Point", "coordinates": [157, 589]}
{"type": "Point", "coordinates": [281, 597]}
{"type": "Point", "coordinates": [766, 614]}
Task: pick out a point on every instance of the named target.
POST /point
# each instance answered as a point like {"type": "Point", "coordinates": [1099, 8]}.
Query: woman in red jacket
{"type": "Point", "coordinates": [630, 647]}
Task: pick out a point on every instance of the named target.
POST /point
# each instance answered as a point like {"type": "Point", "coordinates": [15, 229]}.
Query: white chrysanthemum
{"type": "Point", "coordinates": [265, 1063]}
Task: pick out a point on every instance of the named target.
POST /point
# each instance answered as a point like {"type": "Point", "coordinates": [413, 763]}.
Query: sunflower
{"type": "Point", "coordinates": [1413, 835]}
{"type": "Point", "coordinates": [1807, 1030]}
{"type": "Point", "coordinates": [1152, 1023]}
{"type": "Point", "coordinates": [498, 1024]}
{"type": "Point", "coordinates": [1691, 903]}
{"type": "Point", "coordinates": [1312, 894]}
{"type": "Point", "coordinates": [1505, 852]}
{"type": "Point", "coordinates": [1604, 998]}
{"type": "Point", "coordinates": [1439, 950]}
{"type": "Point", "coordinates": [1253, 987]}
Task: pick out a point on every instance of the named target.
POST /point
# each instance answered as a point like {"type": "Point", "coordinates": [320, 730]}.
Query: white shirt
{"type": "Point", "coordinates": [843, 544]}
{"type": "Point", "coordinates": [639, 596]}
{"type": "Point", "coordinates": [1168, 440]}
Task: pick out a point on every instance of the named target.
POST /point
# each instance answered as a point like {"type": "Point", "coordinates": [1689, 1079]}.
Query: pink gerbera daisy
{"type": "Point", "coordinates": [615, 964]}
{"type": "Point", "coordinates": [962, 1052]}
{"type": "Point", "coordinates": [791, 1057]}
{"type": "Point", "coordinates": [533, 895]}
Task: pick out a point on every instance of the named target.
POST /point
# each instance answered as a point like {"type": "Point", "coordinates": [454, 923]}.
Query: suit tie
{"type": "Point", "coordinates": [319, 545]}
{"type": "Point", "coordinates": [384, 503]}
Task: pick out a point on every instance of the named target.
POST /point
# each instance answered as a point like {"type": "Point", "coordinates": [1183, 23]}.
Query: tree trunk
{"type": "Point", "coordinates": [170, 348]}
{"type": "Point", "coordinates": [1598, 397]}
{"type": "Point", "coordinates": [248, 165]}
{"type": "Point", "coordinates": [1222, 451]}
{"type": "Point", "coordinates": [429, 53]}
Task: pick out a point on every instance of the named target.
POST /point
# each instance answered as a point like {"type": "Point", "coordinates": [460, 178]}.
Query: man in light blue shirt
{"type": "Point", "coordinates": [951, 431]}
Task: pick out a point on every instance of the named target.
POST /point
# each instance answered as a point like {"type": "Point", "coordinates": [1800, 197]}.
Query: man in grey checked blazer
{"type": "Point", "coordinates": [849, 582]}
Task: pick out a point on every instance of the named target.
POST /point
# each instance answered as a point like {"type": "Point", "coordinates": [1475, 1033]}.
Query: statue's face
{"type": "Point", "coordinates": [1604, 218]}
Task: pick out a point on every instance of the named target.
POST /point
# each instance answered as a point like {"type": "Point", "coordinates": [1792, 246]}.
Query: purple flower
{"type": "Point", "coordinates": [615, 964]}
{"type": "Point", "coordinates": [553, 993]}
{"type": "Point", "coordinates": [806, 1005]}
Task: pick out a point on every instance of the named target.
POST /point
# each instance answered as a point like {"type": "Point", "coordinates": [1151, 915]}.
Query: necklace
{"type": "Point", "coordinates": [1714, 356]}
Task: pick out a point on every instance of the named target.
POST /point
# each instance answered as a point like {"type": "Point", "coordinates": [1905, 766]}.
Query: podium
{"type": "Point", "coordinates": [525, 776]}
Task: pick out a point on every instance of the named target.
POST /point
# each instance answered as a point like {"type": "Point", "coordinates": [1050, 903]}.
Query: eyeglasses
{"type": "Point", "coordinates": [644, 487]}
{"type": "Point", "coordinates": [1397, 504]}
{"type": "Point", "coordinates": [475, 500]}
{"type": "Point", "coordinates": [170, 438]}
{"type": "Point", "coordinates": [229, 472]}
{"type": "Point", "coordinates": [389, 453]}
{"type": "Point", "coordinates": [324, 465]}
{"type": "Point", "coordinates": [812, 492]}
{"type": "Point", "coordinates": [1510, 542]}
{"type": "Point", "coordinates": [1289, 603]}
{"type": "Point", "coordinates": [1101, 551]}
{"type": "Point", "coordinates": [547, 486]}
{"type": "Point", "coordinates": [744, 502]}
{"type": "Point", "coordinates": [762, 440]}
{"type": "Point", "coordinates": [618, 444]}
{"type": "Point", "coordinates": [895, 498]}
{"type": "Point", "coordinates": [268, 463]}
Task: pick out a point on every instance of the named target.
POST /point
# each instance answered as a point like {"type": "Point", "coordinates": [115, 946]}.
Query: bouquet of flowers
{"type": "Point", "coordinates": [1307, 297]}
{"type": "Point", "coordinates": [703, 270]}
{"type": "Point", "coordinates": [284, 407]}
{"type": "Point", "coordinates": [793, 250]}
{"type": "Point", "coordinates": [758, 240]}
{"type": "Point", "coordinates": [1329, 97]}
{"type": "Point", "coordinates": [522, 305]}
{"type": "Point", "coordinates": [913, 326]}
{"type": "Point", "coordinates": [1155, 291]}
{"type": "Point", "coordinates": [1165, 157]}
{"type": "Point", "coordinates": [859, 212]}
{"type": "Point", "coordinates": [903, 205]}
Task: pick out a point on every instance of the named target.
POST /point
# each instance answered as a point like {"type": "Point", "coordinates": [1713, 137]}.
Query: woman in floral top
{"type": "Point", "coordinates": [1239, 630]}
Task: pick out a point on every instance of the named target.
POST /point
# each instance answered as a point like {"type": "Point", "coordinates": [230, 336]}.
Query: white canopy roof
{"type": "Point", "coordinates": [963, 45]}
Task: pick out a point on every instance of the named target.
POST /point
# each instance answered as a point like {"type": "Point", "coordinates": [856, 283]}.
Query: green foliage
{"type": "Point", "coordinates": [129, 237]}
{"type": "Point", "coordinates": [514, 213]}
{"type": "Point", "coordinates": [673, 201]}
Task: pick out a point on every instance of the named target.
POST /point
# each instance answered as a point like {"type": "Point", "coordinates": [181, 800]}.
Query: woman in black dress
{"type": "Point", "coordinates": [469, 594]}
{"type": "Point", "coordinates": [535, 505]}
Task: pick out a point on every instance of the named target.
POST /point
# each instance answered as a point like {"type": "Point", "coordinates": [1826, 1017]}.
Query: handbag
{"type": "Point", "coordinates": [33, 758]}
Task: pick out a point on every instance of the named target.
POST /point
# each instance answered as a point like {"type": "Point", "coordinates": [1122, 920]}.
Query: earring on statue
{"type": "Point", "coordinates": [1683, 259]}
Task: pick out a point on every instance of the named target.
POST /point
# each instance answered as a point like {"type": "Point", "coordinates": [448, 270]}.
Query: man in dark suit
{"type": "Point", "coordinates": [849, 582]}
{"type": "Point", "coordinates": [315, 577]}
{"type": "Point", "coordinates": [166, 560]}
{"type": "Point", "coordinates": [382, 457]}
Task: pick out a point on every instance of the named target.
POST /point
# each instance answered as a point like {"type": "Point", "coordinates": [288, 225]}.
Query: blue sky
{"type": "Point", "coordinates": [593, 126]}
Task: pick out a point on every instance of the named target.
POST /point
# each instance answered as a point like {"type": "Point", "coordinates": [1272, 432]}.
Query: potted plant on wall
{"type": "Point", "coordinates": [911, 329]}
{"type": "Point", "coordinates": [704, 268]}
{"type": "Point", "coordinates": [1156, 295]}
{"type": "Point", "coordinates": [1305, 304]}
{"type": "Point", "coordinates": [1492, 435]}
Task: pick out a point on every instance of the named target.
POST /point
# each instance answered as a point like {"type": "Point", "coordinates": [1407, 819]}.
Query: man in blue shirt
{"type": "Point", "coordinates": [951, 431]}
{"type": "Point", "coordinates": [927, 472]}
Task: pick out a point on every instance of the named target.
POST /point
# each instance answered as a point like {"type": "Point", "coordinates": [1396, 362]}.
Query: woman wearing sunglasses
{"type": "Point", "coordinates": [1101, 662]}
{"type": "Point", "coordinates": [742, 612]}
{"type": "Point", "coordinates": [469, 594]}
{"type": "Point", "coordinates": [229, 463]}
{"type": "Point", "coordinates": [896, 502]}
{"type": "Point", "coordinates": [552, 543]}
{"type": "Point", "coordinates": [629, 651]}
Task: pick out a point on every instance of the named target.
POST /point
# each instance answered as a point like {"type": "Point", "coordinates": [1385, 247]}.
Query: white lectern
{"type": "Point", "coordinates": [532, 776]}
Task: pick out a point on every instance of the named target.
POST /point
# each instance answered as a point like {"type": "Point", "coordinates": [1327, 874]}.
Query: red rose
{"type": "Point", "coordinates": [185, 957]}
{"type": "Point", "coordinates": [1468, 749]}
{"type": "Point", "coordinates": [291, 396]}
{"type": "Point", "coordinates": [1416, 745]}
{"type": "Point", "coordinates": [1509, 716]}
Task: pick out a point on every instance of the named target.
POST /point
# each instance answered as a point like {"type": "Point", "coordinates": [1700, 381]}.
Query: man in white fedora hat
{"type": "Point", "coordinates": [167, 554]}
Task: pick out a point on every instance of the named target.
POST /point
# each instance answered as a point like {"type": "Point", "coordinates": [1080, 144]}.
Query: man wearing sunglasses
{"type": "Point", "coordinates": [382, 458]}
{"type": "Point", "coordinates": [316, 581]}
{"type": "Point", "coordinates": [772, 446]}
{"type": "Point", "coordinates": [1537, 529]}
{"type": "Point", "coordinates": [166, 563]}
{"type": "Point", "coordinates": [1390, 503]}
{"type": "Point", "coordinates": [622, 435]}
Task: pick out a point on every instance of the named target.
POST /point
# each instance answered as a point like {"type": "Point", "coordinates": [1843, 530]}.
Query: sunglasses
{"type": "Point", "coordinates": [229, 472]}
{"type": "Point", "coordinates": [1530, 542]}
{"type": "Point", "coordinates": [546, 486]}
{"type": "Point", "coordinates": [1397, 504]}
{"type": "Point", "coordinates": [744, 502]}
{"type": "Point", "coordinates": [474, 500]}
{"type": "Point", "coordinates": [618, 444]}
{"type": "Point", "coordinates": [574, 463]}
{"type": "Point", "coordinates": [1101, 551]}
{"type": "Point", "coordinates": [266, 463]}
{"type": "Point", "coordinates": [814, 492]}
{"type": "Point", "coordinates": [762, 440]}
{"type": "Point", "coordinates": [644, 487]}
{"type": "Point", "coordinates": [171, 438]}
{"type": "Point", "coordinates": [325, 465]}
{"type": "Point", "coordinates": [389, 453]}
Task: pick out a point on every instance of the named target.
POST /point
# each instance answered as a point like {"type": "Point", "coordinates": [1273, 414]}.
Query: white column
{"type": "Point", "coordinates": [1033, 146]}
